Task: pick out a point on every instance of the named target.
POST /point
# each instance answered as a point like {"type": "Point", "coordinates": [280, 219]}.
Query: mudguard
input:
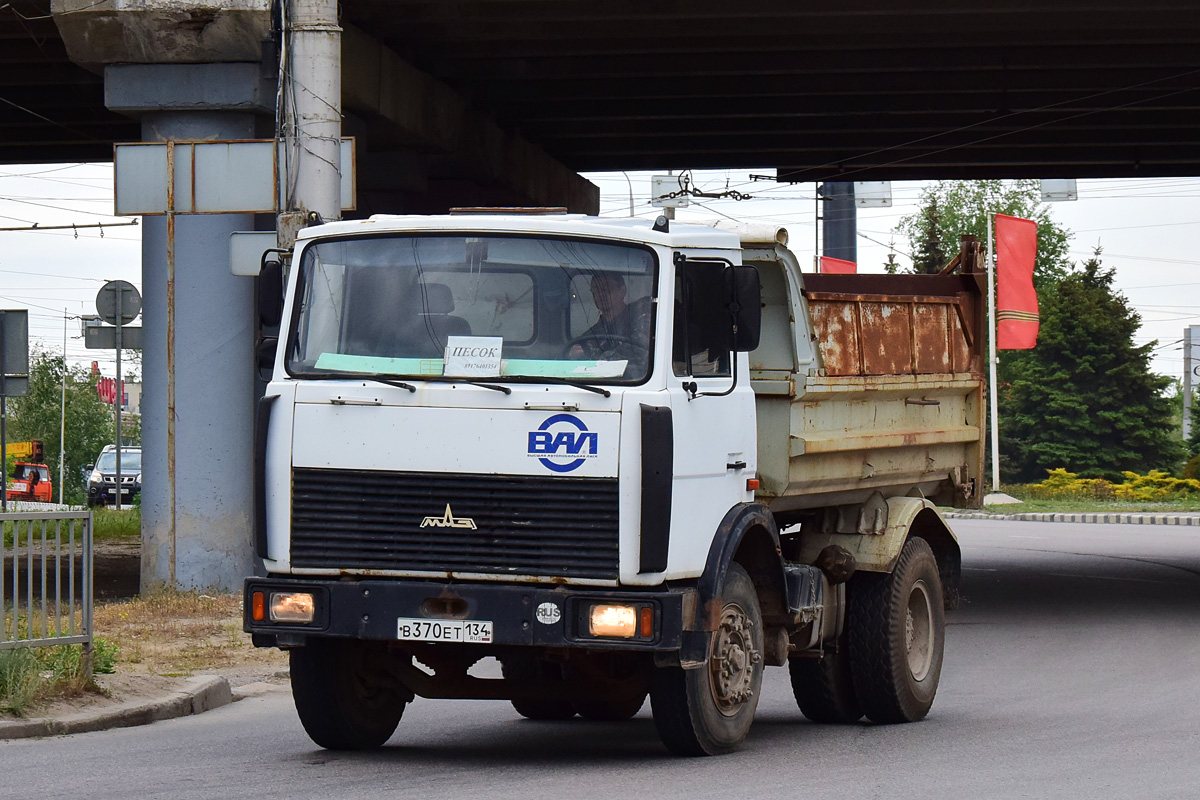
{"type": "Point", "coordinates": [727, 540]}
{"type": "Point", "coordinates": [879, 552]}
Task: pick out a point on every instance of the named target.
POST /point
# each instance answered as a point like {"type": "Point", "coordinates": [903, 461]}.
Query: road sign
{"type": "Point", "coordinates": [104, 337]}
{"type": "Point", "coordinates": [107, 302]}
{"type": "Point", "coordinates": [14, 353]}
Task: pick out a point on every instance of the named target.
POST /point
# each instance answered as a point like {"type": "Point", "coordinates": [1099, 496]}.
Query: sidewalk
{"type": "Point", "coordinates": [193, 695]}
{"type": "Point", "coordinates": [1189, 519]}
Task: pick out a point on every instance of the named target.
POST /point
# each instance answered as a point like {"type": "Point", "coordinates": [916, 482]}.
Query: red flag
{"type": "Point", "coordinates": [837, 266]}
{"type": "Point", "coordinates": [1016, 299]}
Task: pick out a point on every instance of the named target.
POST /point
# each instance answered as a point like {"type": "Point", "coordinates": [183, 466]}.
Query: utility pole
{"type": "Point", "coordinates": [310, 115]}
{"type": "Point", "coordinates": [1191, 371]}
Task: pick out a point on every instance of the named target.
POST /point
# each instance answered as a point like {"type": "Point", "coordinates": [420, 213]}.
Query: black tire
{"type": "Point", "coordinates": [529, 670]}
{"type": "Point", "coordinates": [611, 709]}
{"type": "Point", "coordinates": [708, 711]}
{"type": "Point", "coordinates": [824, 688]}
{"type": "Point", "coordinates": [340, 698]}
{"type": "Point", "coordinates": [897, 634]}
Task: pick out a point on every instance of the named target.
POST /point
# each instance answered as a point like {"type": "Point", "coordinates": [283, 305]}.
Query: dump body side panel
{"type": "Point", "coordinates": [891, 398]}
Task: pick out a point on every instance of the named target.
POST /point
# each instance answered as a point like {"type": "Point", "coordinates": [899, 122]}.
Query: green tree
{"type": "Point", "coordinates": [1193, 440]}
{"type": "Point", "coordinates": [89, 422]}
{"type": "Point", "coordinates": [950, 209]}
{"type": "Point", "coordinates": [928, 239]}
{"type": "Point", "coordinates": [1085, 398]}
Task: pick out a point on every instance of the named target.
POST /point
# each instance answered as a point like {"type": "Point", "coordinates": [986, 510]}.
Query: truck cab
{"type": "Point", "coordinates": [536, 438]}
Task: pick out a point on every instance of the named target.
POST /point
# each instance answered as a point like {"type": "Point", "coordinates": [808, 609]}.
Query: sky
{"type": "Point", "coordinates": [1147, 227]}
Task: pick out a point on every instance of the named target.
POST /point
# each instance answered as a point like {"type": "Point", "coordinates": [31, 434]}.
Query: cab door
{"type": "Point", "coordinates": [713, 417]}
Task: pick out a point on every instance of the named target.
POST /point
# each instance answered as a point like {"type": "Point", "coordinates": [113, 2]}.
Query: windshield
{"type": "Point", "coordinates": [131, 461]}
{"type": "Point", "coordinates": [551, 308]}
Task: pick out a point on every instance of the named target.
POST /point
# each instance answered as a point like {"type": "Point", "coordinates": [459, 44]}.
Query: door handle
{"type": "Point", "coordinates": [736, 465]}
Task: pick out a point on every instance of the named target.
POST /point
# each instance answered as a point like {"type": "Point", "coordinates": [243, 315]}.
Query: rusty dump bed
{"type": "Point", "coordinates": [869, 383]}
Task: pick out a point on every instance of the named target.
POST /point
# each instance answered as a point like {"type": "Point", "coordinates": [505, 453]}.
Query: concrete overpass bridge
{"type": "Point", "coordinates": [503, 102]}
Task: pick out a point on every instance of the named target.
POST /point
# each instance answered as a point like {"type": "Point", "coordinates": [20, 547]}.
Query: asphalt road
{"type": "Point", "coordinates": [1072, 671]}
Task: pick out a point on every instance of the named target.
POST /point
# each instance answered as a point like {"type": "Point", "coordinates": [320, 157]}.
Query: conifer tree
{"type": "Point", "coordinates": [1085, 398]}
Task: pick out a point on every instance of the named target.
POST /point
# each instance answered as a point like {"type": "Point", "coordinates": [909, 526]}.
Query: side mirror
{"type": "Point", "coordinates": [270, 292]}
{"type": "Point", "coordinates": [744, 292]}
{"type": "Point", "coordinates": [89, 468]}
{"type": "Point", "coordinates": [265, 355]}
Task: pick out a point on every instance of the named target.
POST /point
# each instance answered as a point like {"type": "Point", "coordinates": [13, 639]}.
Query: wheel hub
{"type": "Point", "coordinates": [733, 660]}
{"type": "Point", "coordinates": [918, 631]}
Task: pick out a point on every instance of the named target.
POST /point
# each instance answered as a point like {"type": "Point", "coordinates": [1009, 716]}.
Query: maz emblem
{"type": "Point", "coordinates": [448, 520]}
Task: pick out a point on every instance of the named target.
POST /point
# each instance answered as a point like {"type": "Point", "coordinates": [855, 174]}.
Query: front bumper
{"type": "Point", "coordinates": [370, 608]}
{"type": "Point", "coordinates": [107, 493]}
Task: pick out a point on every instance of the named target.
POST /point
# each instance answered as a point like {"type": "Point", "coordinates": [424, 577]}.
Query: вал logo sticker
{"type": "Point", "coordinates": [562, 443]}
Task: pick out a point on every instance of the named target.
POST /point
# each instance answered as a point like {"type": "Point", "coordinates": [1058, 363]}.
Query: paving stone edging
{"type": "Point", "coordinates": [1110, 519]}
{"type": "Point", "coordinates": [200, 693]}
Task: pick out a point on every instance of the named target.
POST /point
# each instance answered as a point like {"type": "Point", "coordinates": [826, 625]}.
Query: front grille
{"type": "Point", "coordinates": [365, 519]}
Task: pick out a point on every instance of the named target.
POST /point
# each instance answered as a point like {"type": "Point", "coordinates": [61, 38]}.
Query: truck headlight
{"type": "Point", "coordinates": [618, 621]}
{"type": "Point", "coordinates": [292, 607]}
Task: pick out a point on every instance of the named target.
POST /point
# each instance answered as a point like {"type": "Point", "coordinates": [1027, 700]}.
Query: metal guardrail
{"type": "Point", "coordinates": [45, 579]}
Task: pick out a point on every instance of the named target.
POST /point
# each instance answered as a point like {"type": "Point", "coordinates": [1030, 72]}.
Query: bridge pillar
{"type": "Point", "coordinates": [189, 73]}
{"type": "Point", "coordinates": [197, 504]}
{"type": "Point", "coordinates": [840, 221]}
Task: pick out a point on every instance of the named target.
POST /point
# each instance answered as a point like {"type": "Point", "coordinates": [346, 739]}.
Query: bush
{"type": "Point", "coordinates": [1155, 486]}
{"type": "Point", "coordinates": [1061, 485]}
{"type": "Point", "coordinates": [1192, 468]}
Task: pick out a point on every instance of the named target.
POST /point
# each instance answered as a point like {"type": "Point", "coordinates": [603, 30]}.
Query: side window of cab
{"type": "Point", "coordinates": [697, 349]}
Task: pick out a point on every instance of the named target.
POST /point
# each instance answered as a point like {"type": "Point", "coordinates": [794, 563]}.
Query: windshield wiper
{"type": "Point", "coordinates": [564, 381]}
{"type": "Point", "coordinates": [363, 376]}
{"type": "Point", "coordinates": [468, 381]}
{"type": "Point", "coordinates": [360, 376]}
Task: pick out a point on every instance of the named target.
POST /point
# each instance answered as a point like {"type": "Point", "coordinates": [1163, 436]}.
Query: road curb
{"type": "Point", "coordinates": [200, 693]}
{"type": "Point", "coordinates": [1103, 519]}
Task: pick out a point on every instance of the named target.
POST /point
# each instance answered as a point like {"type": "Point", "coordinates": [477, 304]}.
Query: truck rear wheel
{"type": "Point", "coordinates": [897, 633]}
{"type": "Point", "coordinates": [343, 696]}
{"type": "Point", "coordinates": [824, 688]}
{"type": "Point", "coordinates": [529, 670]}
{"type": "Point", "coordinates": [709, 710]}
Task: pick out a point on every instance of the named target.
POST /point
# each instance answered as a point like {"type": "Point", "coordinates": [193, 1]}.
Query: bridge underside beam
{"type": "Point", "coordinates": [427, 149]}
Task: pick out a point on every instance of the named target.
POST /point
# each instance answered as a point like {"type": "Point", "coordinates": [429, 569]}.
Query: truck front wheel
{"type": "Point", "coordinates": [344, 696]}
{"type": "Point", "coordinates": [897, 634]}
{"type": "Point", "coordinates": [708, 711]}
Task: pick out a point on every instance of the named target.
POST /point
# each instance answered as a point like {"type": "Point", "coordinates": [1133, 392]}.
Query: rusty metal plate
{"type": "Point", "coordinates": [931, 334]}
{"type": "Point", "coordinates": [960, 348]}
{"type": "Point", "coordinates": [836, 329]}
{"type": "Point", "coordinates": [886, 338]}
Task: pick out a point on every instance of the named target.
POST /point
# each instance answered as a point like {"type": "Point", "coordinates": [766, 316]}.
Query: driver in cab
{"type": "Point", "coordinates": [622, 327]}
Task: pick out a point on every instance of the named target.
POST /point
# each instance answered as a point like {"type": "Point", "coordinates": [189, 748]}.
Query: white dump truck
{"type": "Point", "coordinates": [623, 458]}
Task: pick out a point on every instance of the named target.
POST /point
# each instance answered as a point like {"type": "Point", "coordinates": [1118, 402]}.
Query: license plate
{"type": "Point", "coordinates": [444, 630]}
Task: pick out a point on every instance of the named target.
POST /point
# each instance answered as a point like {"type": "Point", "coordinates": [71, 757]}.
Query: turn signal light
{"type": "Point", "coordinates": [646, 622]}
{"type": "Point", "coordinates": [292, 607]}
{"type": "Point", "coordinates": [615, 621]}
{"type": "Point", "coordinates": [257, 607]}
{"type": "Point", "coordinates": [752, 484]}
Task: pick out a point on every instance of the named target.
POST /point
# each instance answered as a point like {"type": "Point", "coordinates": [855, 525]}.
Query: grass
{"type": "Point", "coordinates": [1073, 505]}
{"type": "Point", "coordinates": [29, 676]}
{"type": "Point", "coordinates": [111, 525]}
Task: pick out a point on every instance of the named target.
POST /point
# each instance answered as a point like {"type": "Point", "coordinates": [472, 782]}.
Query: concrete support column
{"type": "Point", "coordinates": [839, 221]}
{"type": "Point", "coordinates": [198, 321]}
